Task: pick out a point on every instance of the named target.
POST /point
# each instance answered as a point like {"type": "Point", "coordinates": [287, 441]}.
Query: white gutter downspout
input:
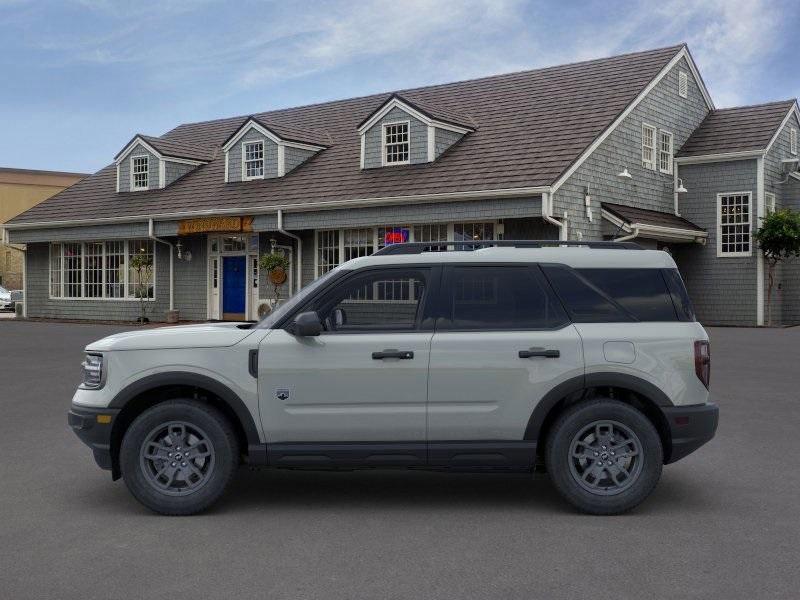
{"type": "Point", "coordinates": [625, 238]}
{"type": "Point", "coordinates": [151, 234]}
{"type": "Point", "coordinates": [547, 212]}
{"type": "Point", "coordinates": [299, 250]}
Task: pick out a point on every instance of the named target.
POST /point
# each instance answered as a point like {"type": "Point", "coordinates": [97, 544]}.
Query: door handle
{"type": "Point", "coordinates": [401, 354]}
{"type": "Point", "coordinates": [532, 352]}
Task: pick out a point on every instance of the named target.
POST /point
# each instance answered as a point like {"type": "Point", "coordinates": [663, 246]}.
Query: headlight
{"type": "Point", "coordinates": [93, 371]}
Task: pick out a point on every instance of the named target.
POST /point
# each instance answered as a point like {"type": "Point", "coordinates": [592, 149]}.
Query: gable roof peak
{"type": "Point", "coordinates": [280, 132]}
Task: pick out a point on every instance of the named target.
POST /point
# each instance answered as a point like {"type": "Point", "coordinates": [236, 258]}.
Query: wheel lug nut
{"type": "Point", "coordinates": [174, 464]}
{"type": "Point", "coordinates": [184, 464]}
{"type": "Point", "coordinates": [609, 463]}
{"type": "Point", "coordinates": [612, 453]}
{"type": "Point", "coordinates": [599, 463]}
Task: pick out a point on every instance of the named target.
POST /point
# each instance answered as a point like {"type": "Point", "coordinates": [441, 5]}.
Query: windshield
{"type": "Point", "coordinates": [281, 311]}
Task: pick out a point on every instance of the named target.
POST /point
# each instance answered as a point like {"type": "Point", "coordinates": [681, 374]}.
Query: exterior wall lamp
{"type": "Point", "coordinates": [680, 189]}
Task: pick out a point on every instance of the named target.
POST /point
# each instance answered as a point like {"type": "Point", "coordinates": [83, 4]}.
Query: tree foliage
{"type": "Point", "coordinates": [779, 239]}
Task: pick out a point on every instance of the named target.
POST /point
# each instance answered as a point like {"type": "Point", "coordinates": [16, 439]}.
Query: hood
{"type": "Point", "coordinates": [207, 335]}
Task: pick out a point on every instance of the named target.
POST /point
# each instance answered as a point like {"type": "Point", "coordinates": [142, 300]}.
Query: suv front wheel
{"type": "Point", "coordinates": [178, 457]}
{"type": "Point", "coordinates": [604, 456]}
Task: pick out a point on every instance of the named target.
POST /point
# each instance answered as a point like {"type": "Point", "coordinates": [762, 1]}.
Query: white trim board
{"type": "Point", "coordinates": [138, 140]}
{"type": "Point", "coordinates": [303, 207]}
{"type": "Point", "coordinates": [722, 157]}
{"type": "Point", "coordinates": [398, 103]}
{"type": "Point", "coordinates": [792, 111]}
{"type": "Point", "coordinates": [252, 124]}
{"type": "Point", "coordinates": [683, 53]}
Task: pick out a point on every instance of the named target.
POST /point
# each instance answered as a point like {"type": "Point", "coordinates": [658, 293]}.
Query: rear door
{"type": "Point", "coordinates": [502, 342]}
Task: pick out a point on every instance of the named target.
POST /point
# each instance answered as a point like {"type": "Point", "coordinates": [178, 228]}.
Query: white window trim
{"type": "Point", "coordinates": [103, 298]}
{"type": "Point", "coordinates": [668, 170]}
{"type": "Point", "coordinates": [263, 160]}
{"type": "Point", "coordinates": [498, 232]}
{"type": "Point", "coordinates": [383, 143]}
{"type": "Point", "coordinates": [769, 202]}
{"type": "Point", "coordinates": [683, 82]}
{"type": "Point", "coordinates": [720, 253]}
{"type": "Point", "coordinates": [133, 187]}
{"type": "Point", "coordinates": [653, 165]}
{"type": "Point", "coordinates": [793, 141]}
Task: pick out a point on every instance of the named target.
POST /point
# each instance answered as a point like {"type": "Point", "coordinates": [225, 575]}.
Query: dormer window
{"type": "Point", "coordinates": [140, 170]}
{"type": "Point", "coordinates": [396, 148]}
{"type": "Point", "coordinates": [253, 153]}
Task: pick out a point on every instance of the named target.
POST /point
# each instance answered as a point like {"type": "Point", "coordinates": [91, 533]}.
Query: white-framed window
{"type": "Point", "coordinates": [253, 160]}
{"type": "Point", "coordinates": [648, 146]}
{"type": "Point", "coordinates": [769, 200]}
{"type": "Point", "coordinates": [396, 144]}
{"type": "Point", "coordinates": [140, 173]}
{"type": "Point", "coordinates": [793, 140]}
{"type": "Point", "coordinates": [683, 84]}
{"type": "Point", "coordinates": [665, 152]}
{"type": "Point", "coordinates": [99, 270]}
{"type": "Point", "coordinates": [734, 224]}
{"type": "Point", "coordinates": [335, 246]}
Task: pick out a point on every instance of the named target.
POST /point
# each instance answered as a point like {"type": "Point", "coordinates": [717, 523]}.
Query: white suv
{"type": "Point", "coordinates": [584, 360]}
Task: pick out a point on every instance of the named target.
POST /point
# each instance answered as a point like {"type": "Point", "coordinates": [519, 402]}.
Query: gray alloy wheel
{"type": "Point", "coordinates": [605, 457]}
{"type": "Point", "coordinates": [177, 458]}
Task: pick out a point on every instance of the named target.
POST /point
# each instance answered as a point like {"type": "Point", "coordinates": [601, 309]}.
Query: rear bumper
{"type": "Point", "coordinates": [95, 434]}
{"type": "Point", "coordinates": [690, 427]}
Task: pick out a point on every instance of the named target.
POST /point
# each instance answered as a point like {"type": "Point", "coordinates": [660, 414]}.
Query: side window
{"type": "Point", "coordinates": [499, 298]}
{"type": "Point", "coordinates": [385, 300]}
{"type": "Point", "coordinates": [643, 292]}
{"type": "Point", "coordinates": [585, 303]}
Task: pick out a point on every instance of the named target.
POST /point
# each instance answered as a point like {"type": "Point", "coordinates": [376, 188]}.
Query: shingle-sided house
{"type": "Point", "coordinates": [628, 147]}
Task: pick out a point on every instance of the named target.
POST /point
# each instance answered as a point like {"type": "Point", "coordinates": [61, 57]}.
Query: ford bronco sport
{"type": "Point", "coordinates": [581, 359]}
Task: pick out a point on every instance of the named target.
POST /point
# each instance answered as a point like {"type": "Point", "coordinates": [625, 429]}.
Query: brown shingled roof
{"type": "Point", "coordinates": [530, 127]}
{"type": "Point", "coordinates": [631, 215]}
{"type": "Point", "coordinates": [739, 129]}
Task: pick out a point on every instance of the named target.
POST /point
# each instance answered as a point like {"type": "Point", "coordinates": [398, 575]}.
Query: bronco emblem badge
{"type": "Point", "coordinates": [282, 394]}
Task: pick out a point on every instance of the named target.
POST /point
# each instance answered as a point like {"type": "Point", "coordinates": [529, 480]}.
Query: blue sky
{"type": "Point", "coordinates": [80, 78]}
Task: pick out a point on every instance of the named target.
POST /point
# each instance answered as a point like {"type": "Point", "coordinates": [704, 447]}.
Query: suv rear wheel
{"type": "Point", "coordinates": [604, 456]}
{"type": "Point", "coordinates": [178, 457]}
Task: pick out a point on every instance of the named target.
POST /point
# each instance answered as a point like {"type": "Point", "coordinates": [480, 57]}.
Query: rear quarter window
{"type": "Point", "coordinates": [642, 292]}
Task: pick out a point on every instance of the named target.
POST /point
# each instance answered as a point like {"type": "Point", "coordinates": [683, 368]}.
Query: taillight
{"type": "Point", "coordinates": [702, 361]}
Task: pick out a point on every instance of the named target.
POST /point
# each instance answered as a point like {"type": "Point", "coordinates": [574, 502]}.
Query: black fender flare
{"type": "Point", "coordinates": [217, 388]}
{"type": "Point", "coordinates": [583, 382]}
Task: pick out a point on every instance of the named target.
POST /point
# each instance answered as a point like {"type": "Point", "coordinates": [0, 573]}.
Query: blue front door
{"type": "Point", "coordinates": [233, 286]}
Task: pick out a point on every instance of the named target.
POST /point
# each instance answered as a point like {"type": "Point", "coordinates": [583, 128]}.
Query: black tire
{"type": "Point", "coordinates": [173, 493]}
{"type": "Point", "coordinates": [588, 485]}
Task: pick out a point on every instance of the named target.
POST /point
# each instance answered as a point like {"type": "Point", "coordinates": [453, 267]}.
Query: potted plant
{"type": "Point", "coordinates": [276, 265]}
{"type": "Point", "coordinates": [142, 265]}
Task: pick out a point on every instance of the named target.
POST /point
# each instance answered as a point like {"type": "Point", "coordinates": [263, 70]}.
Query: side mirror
{"type": "Point", "coordinates": [307, 324]}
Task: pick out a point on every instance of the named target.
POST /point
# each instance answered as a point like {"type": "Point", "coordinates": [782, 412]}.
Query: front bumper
{"type": "Point", "coordinates": [93, 426]}
{"type": "Point", "coordinates": [690, 427]}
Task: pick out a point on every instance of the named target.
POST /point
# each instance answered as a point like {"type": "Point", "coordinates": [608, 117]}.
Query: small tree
{"type": "Point", "coordinates": [142, 265]}
{"type": "Point", "coordinates": [779, 239]}
{"type": "Point", "coordinates": [276, 266]}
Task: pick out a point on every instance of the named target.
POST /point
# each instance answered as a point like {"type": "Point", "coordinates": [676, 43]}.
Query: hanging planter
{"type": "Point", "coordinates": [276, 266]}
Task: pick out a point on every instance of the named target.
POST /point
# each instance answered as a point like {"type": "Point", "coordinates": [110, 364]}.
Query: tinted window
{"type": "Point", "coordinates": [389, 299]}
{"type": "Point", "coordinates": [680, 298]}
{"type": "Point", "coordinates": [585, 302]}
{"type": "Point", "coordinates": [642, 292]}
{"type": "Point", "coordinates": [500, 298]}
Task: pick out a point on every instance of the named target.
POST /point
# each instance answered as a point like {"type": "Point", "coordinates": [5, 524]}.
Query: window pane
{"type": "Point", "coordinates": [389, 300]}
{"type": "Point", "coordinates": [680, 298]}
{"type": "Point", "coordinates": [140, 171]}
{"type": "Point", "coordinates": [504, 298]}
{"type": "Point", "coordinates": [93, 270]}
{"type": "Point", "coordinates": [734, 224]}
{"type": "Point", "coordinates": [140, 280]}
{"type": "Point", "coordinates": [584, 302]}
{"type": "Point", "coordinates": [641, 291]}
{"type": "Point", "coordinates": [327, 250]}
{"type": "Point", "coordinates": [397, 145]}
{"type": "Point", "coordinates": [358, 242]}
{"type": "Point", "coordinates": [115, 269]}
{"type": "Point", "coordinates": [73, 270]}
{"type": "Point", "coordinates": [254, 159]}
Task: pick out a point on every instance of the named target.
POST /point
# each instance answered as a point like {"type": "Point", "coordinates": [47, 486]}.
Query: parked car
{"type": "Point", "coordinates": [583, 360]}
{"type": "Point", "coordinates": [5, 299]}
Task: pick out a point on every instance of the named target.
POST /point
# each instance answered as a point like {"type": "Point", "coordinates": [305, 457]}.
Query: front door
{"type": "Point", "coordinates": [234, 271]}
{"type": "Point", "coordinates": [359, 390]}
{"type": "Point", "coordinates": [502, 342]}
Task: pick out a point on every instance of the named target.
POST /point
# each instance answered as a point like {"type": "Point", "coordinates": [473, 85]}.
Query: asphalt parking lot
{"type": "Point", "coordinates": [723, 522]}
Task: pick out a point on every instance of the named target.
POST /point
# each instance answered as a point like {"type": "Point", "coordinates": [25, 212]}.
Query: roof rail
{"type": "Point", "coordinates": [420, 247]}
